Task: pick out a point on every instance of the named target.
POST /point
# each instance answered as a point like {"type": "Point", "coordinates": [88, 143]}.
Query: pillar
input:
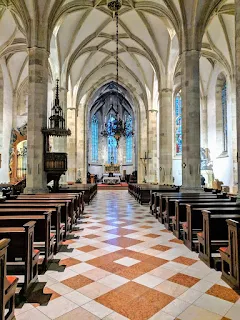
{"type": "Point", "coordinates": [71, 145]}
{"type": "Point", "coordinates": [191, 121]}
{"type": "Point", "coordinates": [166, 146]}
{"type": "Point", "coordinates": [204, 123]}
{"type": "Point", "coordinates": [81, 151]}
{"type": "Point", "coordinates": [37, 118]}
{"type": "Point", "coordinates": [152, 146]}
{"type": "Point", "coordinates": [237, 76]}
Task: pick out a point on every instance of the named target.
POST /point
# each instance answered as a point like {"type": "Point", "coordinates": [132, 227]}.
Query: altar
{"type": "Point", "coordinates": [111, 180]}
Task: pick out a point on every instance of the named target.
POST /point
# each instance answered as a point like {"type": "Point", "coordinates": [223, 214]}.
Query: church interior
{"type": "Point", "coordinates": [119, 159]}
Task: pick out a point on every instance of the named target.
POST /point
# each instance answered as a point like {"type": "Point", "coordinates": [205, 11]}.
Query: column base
{"type": "Point", "coordinates": [35, 190]}
{"type": "Point", "coordinates": [191, 189]}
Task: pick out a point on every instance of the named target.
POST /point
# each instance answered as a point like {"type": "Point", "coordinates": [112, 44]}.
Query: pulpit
{"type": "Point", "coordinates": [55, 163]}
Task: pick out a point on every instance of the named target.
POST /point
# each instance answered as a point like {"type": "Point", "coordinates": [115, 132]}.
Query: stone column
{"type": "Point", "coordinates": [166, 137]}
{"type": "Point", "coordinates": [237, 76]}
{"type": "Point", "coordinates": [204, 123]}
{"type": "Point", "coordinates": [37, 118]}
{"type": "Point", "coordinates": [191, 121]}
{"type": "Point", "coordinates": [71, 145]}
{"type": "Point", "coordinates": [81, 145]}
{"type": "Point", "coordinates": [152, 146]}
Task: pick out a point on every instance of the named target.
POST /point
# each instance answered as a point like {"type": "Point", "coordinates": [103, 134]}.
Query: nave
{"type": "Point", "coordinates": [126, 265]}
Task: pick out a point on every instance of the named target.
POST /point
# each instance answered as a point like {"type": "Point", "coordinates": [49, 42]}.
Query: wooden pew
{"type": "Point", "coordinates": [194, 222]}
{"type": "Point", "coordinates": [215, 233]}
{"type": "Point", "coordinates": [170, 204]}
{"type": "Point", "coordinates": [57, 226]}
{"type": "Point", "coordinates": [68, 204]}
{"type": "Point", "coordinates": [164, 196]}
{"type": "Point", "coordinates": [144, 191]}
{"type": "Point", "coordinates": [89, 190]}
{"type": "Point", "coordinates": [77, 198]}
{"type": "Point", "coordinates": [230, 256]}
{"type": "Point", "coordinates": [43, 238]}
{"type": "Point", "coordinates": [180, 211]}
{"type": "Point", "coordinates": [8, 285]}
{"type": "Point", "coordinates": [22, 259]}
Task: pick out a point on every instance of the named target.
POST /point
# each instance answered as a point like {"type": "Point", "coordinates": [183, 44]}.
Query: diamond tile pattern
{"type": "Point", "coordinates": [126, 265]}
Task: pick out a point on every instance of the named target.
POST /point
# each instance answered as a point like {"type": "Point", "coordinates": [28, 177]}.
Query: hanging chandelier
{"type": "Point", "coordinates": [115, 126]}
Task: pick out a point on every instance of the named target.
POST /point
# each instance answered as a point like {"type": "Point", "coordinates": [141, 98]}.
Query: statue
{"type": "Point", "coordinates": [206, 163]}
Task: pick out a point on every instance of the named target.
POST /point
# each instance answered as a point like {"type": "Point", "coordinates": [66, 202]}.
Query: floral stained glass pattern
{"type": "Point", "coordinates": [224, 116]}
{"type": "Point", "coordinates": [129, 139]}
{"type": "Point", "coordinates": [112, 143]}
{"type": "Point", "coordinates": [178, 124]}
{"type": "Point", "coordinates": [94, 139]}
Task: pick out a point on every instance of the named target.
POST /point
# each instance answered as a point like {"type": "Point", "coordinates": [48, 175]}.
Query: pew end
{"type": "Point", "coordinates": [8, 285]}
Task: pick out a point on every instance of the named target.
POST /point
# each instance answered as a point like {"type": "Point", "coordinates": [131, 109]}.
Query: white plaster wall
{"type": "Point", "coordinates": [177, 171]}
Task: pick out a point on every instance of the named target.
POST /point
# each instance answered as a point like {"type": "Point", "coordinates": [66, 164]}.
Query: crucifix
{"type": "Point", "coordinates": [144, 162]}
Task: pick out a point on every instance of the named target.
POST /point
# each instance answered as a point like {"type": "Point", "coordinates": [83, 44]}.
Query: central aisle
{"type": "Point", "coordinates": [126, 265]}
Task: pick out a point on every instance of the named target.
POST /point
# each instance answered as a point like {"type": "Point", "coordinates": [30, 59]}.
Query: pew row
{"type": "Point", "coordinates": [167, 204]}
{"type": "Point", "coordinates": [180, 211]}
{"type": "Point", "coordinates": [230, 256]}
{"type": "Point", "coordinates": [8, 285]}
{"type": "Point", "coordinates": [215, 234]}
{"type": "Point", "coordinates": [22, 258]}
{"type": "Point", "coordinates": [44, 240]}
{"type": "Point", "coordinates": [58, 219]}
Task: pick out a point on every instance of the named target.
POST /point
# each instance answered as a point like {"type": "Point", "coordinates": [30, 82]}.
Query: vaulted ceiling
{"type": "Point", "coordinates": [151, 38]}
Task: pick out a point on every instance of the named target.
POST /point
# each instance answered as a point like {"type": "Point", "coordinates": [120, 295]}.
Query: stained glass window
{"type": "Point", "coordinates": [178, 124]}
{"type": "Point", "coordinates": [129, 139]}
{"type": "Point", "coordinates": [224, 116]}
{"type": "Point", "coordinates": [112, 143]}
{"type": "Point", "coordinates": [94, 139]}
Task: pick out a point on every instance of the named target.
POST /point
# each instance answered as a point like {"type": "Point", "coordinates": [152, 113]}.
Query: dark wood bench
{"type": "Point", "coordinates": [169, 201]}
{"type": "Point", "coordinates": [194, 222]}
{"type": "Point", "coordinates": [230, 256]}
{"type": "Point", "coordinates": [164, 196]}
{"type": "Point", "coordinates": [78, 205]}
{"type": "Point", "coordinates": [8, 285]}
{"type": "Point", "coordinates": [22, 258]}
{"type": "Point", "coordinates": [44, 240]}
{"type": "Point", "coordinates": [57, 226]}
{"type": "Point", "coordinates": [89, 190]}
{"type": "Point", "coordinates": [143, 196]}
{"type": "Point", "coordinates": [215, 234]}
{"type": "Point", "coordinates": [180, 211]}
{"type": "Point", "coordinates": [68, 203]}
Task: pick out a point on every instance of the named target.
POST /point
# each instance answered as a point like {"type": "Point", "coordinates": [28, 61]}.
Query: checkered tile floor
{"type": "Point", "coordinates": [125, 265]}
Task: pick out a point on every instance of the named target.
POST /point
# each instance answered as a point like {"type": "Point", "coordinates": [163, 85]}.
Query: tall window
{"type": "Point", "coordinates": [112, 144]}
{"type": "Point", "coordinates": [94, 139]}
{"type": "Point", "coordinates": [178, 124]}
{"type": "Point", "coordinates": [224, 115]}
{"type": "Point", "coordinates": [129, 139]}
